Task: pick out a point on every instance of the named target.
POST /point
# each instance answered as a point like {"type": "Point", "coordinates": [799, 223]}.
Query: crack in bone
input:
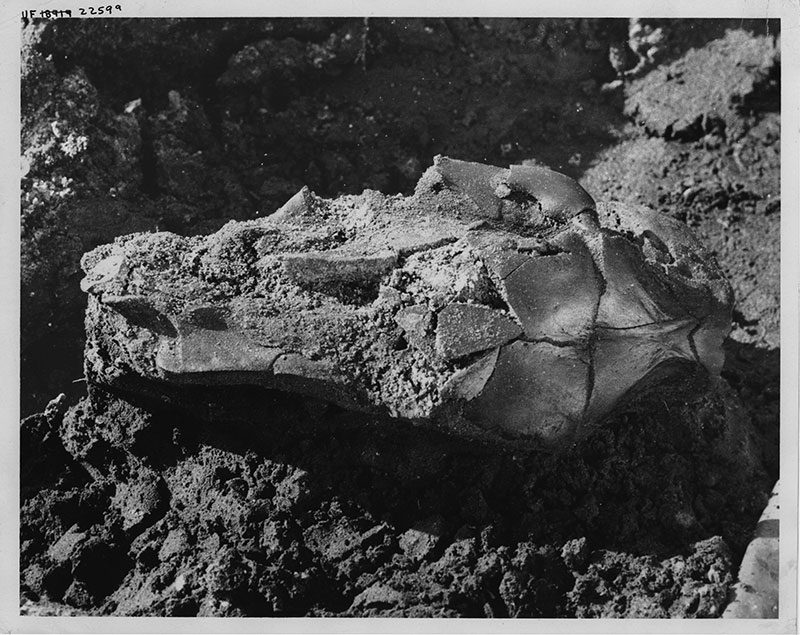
{"type": "Point", "coordinates": [692, 345]}
{"type": "Point", "coordinates": [590, 379]}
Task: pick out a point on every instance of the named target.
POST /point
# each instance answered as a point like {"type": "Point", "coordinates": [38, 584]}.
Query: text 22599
{"type": "Point", "coordinates": [50, 14]}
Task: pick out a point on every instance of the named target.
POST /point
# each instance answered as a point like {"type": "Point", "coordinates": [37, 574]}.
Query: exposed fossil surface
{"type": "Point", "coordinates": [491, 301]}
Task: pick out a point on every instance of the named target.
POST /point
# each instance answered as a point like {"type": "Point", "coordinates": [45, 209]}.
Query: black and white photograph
{"type": "Point", "coordinates": [465, 313]}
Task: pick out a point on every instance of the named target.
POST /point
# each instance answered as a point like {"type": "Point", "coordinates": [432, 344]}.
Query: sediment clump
{"type": "Point", "coordinates": [499, 302]}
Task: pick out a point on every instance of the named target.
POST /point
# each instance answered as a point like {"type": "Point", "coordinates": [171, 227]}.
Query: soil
{"type": "Point", "coordinates": [133, 506]}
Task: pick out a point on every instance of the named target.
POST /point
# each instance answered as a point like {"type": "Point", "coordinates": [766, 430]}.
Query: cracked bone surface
{"type": "Point", "coordinates": [495, 301]}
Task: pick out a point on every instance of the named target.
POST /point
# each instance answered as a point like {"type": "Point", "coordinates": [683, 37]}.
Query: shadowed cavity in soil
{"type": "Point", "coordinates": [753, 373]}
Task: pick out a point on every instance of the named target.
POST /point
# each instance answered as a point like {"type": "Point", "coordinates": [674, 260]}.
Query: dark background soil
{"type": "Point", "coordinates": [182, 125]}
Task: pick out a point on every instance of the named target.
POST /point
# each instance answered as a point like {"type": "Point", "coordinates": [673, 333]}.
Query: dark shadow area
{"type": "Point", "coordinates": [754, 374]}
{"type": "Point", "coordinates": [766, 95]}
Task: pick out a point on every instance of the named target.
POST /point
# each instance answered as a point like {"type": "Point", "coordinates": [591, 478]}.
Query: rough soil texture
{"type": "Point", "coordinates": [137, 505]}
